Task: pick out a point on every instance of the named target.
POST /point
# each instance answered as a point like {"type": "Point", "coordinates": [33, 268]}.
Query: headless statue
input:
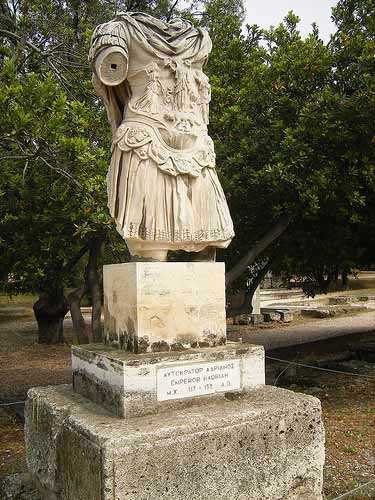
{"type": "Point", "coordinates": [163, 189]}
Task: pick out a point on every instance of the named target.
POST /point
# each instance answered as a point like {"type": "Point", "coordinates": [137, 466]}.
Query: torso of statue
{"type": "Point", "coordinates": [167, 114]}
{"type": "Point", "coordinates": [150, 75]}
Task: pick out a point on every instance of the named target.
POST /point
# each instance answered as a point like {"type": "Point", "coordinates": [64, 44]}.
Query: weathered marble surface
{"type": "Point", "coordinates": [266, 445]}
{"type": "Point", "coordinates": [163, 189]}
{"type": "Point", "coordinates": [127, 384]}
{"type": "Point", "coordinates": [157, 306]}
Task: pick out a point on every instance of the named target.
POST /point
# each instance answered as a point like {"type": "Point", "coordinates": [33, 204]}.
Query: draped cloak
{"type": "Point", "coordinates": [162, 183]}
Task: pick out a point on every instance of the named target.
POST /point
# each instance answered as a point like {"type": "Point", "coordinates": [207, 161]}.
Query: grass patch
{"type": "Point", "coordinates": [348, 405]}
{"type": "Point", "coordinates": [17, 300]}
{"type": "Point", "coordinates": [12, 446]}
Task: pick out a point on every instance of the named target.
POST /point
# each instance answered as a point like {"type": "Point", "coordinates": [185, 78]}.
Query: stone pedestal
{"type": "Point", "coordinates": [166, 410]}
{"type": "Point", "coordinates": [266, 444]}
{"type": "Point", "coordinates": [130, 385]}
{"type": "Point", "coordinates": [162, 306]}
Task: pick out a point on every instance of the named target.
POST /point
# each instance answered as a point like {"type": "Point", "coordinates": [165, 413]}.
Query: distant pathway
{"type": "Point", "coordinates": [289, 335]}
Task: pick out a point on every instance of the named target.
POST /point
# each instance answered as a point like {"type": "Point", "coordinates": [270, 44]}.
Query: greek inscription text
{"type": "Point", "coordinates": [198, 379]}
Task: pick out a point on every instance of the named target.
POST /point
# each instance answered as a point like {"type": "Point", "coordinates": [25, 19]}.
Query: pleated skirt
{"type": "Point", "coordinates": [177, 212]}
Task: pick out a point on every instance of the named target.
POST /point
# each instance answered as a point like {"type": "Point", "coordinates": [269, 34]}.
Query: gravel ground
{"type": "Point", "coordinates": [348, 405]}
{"type": "Point", "coordinates": [308, 331]}
{"type": "Point", "coordinates": [24, 363]}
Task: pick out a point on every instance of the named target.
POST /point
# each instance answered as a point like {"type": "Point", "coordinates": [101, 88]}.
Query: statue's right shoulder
{"type": "Point", "coordinates": [112, 33]}
{"type": "Point", "coordinates": [115, 27]}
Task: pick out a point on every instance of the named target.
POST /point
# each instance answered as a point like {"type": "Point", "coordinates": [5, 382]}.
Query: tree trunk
{"type": "Point", "coordinates": [50, 310]}
{"type": "Point", "coordinates": [94, 282]}
{"type": "Point", "coordinates": [276, 230]}
{"type": "Point", "coordinates": [323, 282]}
{"type": "Point", "coordinates": [344, 279]}
{"type": "Point", "coordinates": [79, 324]}
{"type": "Point", "coordinates": [246, 307]}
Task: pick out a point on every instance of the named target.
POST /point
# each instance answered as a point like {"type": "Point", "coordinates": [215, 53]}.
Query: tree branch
{"type": "Point", "coordinates": [73, 261]}
{"type": "Point", "coordinates": [246, 306]}
{"type": "Point", "coordinates": [59, 170]}
{"type": "Point", "coordinates": [17, 37]}
{"type": "Point", "coordinates": [170, 13]}
{"type": "Point", "coordinates": [15, 157]}
{"type": "Point", "coordinates": [272, 234]}
{"type": "Point", "coordinates": [45, 55]}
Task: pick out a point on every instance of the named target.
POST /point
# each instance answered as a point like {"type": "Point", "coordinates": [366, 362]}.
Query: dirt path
{"type": "Point", "coordinates": [311, 331]}
{"type": "Point", "coordinates": [24, 363]}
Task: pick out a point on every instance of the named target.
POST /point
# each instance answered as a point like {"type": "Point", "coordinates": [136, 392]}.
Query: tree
{"type": "Point", "coordinates": [338, 236]}
{"type": "Point", "coordinates": [294, 151]}
{"type": "Point", "coordinates": [52, 193]}
{"type": "Point", "coordinates": [51, 201]}
{"type": "Point", "coordinates": [251, 112]}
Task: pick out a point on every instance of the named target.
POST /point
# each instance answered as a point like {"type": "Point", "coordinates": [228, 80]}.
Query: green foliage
{"type": "Point", "coordinates": [53, 177]}
{"type": "Point", "coordinates": [292, 119]}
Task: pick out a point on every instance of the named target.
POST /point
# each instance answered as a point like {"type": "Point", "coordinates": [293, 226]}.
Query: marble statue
{"type": "Point", "coordinates": [163, 189]}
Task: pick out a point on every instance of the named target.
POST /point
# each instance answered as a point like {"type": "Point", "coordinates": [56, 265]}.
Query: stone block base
{"type": "Point", "coordinates": [129, 384]}
{"type": "Point", "coordinates": [248, 319]}
{"type": "Point", "coordinates": [267, 444]}
{"type": "Point", "coordinates": [272, 316]}
{"type": "Point", "coordinates": [164, 306]}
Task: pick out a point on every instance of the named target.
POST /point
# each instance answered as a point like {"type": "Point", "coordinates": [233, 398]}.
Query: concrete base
{"type": "Point", "coordinates": [267, 444]}
{"type": "Point", "coordinates": [127, 384]}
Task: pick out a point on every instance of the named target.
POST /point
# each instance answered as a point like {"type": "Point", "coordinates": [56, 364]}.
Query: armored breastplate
{"type": "Point", "coordinates": [167, 114]}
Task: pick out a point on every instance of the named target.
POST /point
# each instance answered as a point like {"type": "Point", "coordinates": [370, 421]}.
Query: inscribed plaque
{"type": "Point", "coordinates": [198, 379]}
